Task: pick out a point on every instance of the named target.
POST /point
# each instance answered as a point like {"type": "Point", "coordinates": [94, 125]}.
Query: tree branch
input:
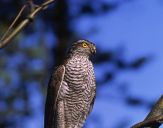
{"type": "Point", "coordinates": [6, 39]}
{"type": "Point", "coordinates": [155, 118]}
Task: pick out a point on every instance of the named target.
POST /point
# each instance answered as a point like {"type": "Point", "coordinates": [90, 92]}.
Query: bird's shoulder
{"type": "Point", "coordinates": [57, 75]}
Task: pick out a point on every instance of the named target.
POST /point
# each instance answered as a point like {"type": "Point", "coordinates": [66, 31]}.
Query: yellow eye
{"type": "Point", "coordinates": [84, 45]}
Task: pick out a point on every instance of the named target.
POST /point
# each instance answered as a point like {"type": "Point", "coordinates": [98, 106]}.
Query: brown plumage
{"type": "Point", "coordinates": [71, 90]}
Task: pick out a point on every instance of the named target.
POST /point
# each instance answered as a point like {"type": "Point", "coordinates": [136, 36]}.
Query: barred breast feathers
{"type": "Point", "coordinates": [79, 76]}
{"type": "Point", "coordinates": [78, 70]}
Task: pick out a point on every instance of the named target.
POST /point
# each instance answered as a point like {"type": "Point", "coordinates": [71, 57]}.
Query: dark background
{"type": "Point", "coordinates": [128, 63]}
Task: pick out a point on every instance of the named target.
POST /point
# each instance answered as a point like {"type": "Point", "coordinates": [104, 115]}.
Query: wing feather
{"type": "Point", "coordinates": [54, 86]}
{"type": "Point", "coordinates": [93, 96]}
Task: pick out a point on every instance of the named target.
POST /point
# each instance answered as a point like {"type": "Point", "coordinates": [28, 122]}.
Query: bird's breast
{"type": "Point", "coordinates": [78, 73]}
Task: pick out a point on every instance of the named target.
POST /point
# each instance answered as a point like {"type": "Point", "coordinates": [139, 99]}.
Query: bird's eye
{"type": "Point", "coordinates": [84, 45]}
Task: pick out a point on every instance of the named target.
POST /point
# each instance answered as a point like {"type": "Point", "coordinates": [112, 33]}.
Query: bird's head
{"type": "Point", "coordinates": [83, 47]}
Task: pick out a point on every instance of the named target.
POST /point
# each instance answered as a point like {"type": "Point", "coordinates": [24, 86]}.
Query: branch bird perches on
{"type": "Point", "coordinates": [9, 35]}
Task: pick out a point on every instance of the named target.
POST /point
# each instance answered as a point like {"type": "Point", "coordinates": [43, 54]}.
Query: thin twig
{"type": "Point", "coordinates": [14, 22]}
{"type": "Point", "coordinates": [25, 22]}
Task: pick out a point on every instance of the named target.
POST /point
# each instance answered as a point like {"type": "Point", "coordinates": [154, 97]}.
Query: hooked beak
{"type": "Point", "coordinates": [93, 48]}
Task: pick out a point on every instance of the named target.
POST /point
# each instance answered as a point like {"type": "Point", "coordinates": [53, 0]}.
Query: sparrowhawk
{"type": "Point", "coordinates": [72, 88]}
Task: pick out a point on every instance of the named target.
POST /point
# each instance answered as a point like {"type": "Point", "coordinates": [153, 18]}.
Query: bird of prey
{"type": "Point", "coordinates": [72, 88]}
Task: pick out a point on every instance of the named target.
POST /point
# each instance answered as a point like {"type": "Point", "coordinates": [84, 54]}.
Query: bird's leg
{"type": "Point", "coordinates": [60, 115]}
